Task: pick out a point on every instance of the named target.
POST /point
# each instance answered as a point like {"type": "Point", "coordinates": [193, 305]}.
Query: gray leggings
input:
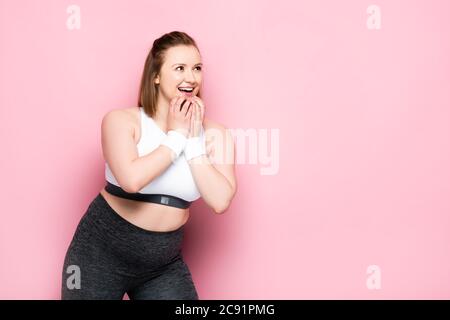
{"type": "Point", "coordinates": [109, 256]}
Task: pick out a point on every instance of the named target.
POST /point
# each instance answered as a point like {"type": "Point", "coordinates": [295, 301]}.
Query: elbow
{"type": "Point", "coordinates": [220, 210]}
{"type": "Point", "coordinates": [129, 189]}
{"type": "Point", "coordinates": [134, 185]}
{"type": "Point", "coordinates": [222, 207]}
{"type": "Point", "coordinates": [130, 186]}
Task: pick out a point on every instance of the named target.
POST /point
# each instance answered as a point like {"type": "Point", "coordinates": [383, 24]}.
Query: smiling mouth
{"type": "Point", "coordinates": [186, 90]}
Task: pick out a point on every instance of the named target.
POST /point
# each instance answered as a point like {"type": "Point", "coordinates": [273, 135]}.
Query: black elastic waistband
{"type": "Point", "coordinates": [164, 199]}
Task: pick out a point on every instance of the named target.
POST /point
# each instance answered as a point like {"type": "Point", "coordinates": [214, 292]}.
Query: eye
{"type": "Point", "coordinates": [198, 67]}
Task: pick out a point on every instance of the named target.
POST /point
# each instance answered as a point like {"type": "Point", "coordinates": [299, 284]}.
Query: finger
{"type": "Point", "coordinates": [185, 104]}
{"type": "Point", "coordinates": [185, 107]}
{"type": "Point", "coordinates": [182, 104]}
{"type": "Point", "coordinates": [190, 107]}
{"type": "Point", "coordinates": [201, 104]}
{"type": "Point", "coordinates": [197, 113]}
{"type": "Point", "coordinates": [174, 101]}
{"type": "Point", "coordinates": [195, 117]}
{"type": "Point", "coordinates": [192, 126]}
{"type": "Point", "coordinates": [195, 103]}
{"type": "Point", "coordinates": [200, 118]}
{"type": "Point", "coordinates": [179, 101]}
{"type": "Point", "coordinates": [199, 101]}
{"type": "Point", "coordinates": [202, 111]}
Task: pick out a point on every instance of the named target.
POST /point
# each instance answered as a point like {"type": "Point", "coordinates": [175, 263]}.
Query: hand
{"type": "Point", "coordinates": [179, 117]}
{"type": "Point", "coordinates": [197, 117]}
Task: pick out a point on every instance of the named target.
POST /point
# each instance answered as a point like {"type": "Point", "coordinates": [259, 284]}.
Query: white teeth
{"type": "Point", "coordinates": [186, 89]}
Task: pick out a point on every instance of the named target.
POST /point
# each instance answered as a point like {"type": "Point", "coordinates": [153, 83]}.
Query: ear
{"type": "Point", "coordinates": [156, 80]}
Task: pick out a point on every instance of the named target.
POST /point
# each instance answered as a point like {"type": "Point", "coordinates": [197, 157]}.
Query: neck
{"type": "Point", "coordinates": [162, 111]}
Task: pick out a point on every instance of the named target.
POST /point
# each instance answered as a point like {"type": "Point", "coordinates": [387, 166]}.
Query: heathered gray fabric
{"type": "Point", "coordinates": [116, 257]}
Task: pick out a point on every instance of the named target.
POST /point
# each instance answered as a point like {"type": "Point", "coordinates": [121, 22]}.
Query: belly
{"type": "Point", "coordinates": [147, 215]}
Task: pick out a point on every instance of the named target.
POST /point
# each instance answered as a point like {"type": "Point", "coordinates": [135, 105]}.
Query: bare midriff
{"type": "Point", "coordinates": [147, 215]}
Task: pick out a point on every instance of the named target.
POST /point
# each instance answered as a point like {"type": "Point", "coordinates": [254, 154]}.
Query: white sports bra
{"type": "Point", "coordinates": [177, 179]}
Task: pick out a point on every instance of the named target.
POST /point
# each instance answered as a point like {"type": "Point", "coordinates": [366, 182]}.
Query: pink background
{"type": "Point", "coordinates": [364, 124]}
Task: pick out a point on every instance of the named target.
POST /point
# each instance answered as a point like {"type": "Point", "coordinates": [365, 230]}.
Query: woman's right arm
{"type": "Point", "coordinates": [120, 152]}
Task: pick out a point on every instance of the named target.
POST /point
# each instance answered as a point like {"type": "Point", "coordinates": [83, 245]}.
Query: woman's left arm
{"type": "Point", "coordinates": [215, 179]}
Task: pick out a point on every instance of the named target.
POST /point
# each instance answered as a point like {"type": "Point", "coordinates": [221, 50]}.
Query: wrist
{"type": "Point", "coordinates": [195, 147]}
{"type": "Point", "coordinates": [176, 141]}
{"type": "Point", "coordinates": [182, 131]}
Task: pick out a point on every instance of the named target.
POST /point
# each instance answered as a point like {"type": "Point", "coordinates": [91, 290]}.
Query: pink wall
{"type": "Point", "coordinates": [363, 152]}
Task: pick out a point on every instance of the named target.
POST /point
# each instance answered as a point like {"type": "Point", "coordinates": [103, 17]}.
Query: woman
{"type": "Point", "coordinates": [160, 157]}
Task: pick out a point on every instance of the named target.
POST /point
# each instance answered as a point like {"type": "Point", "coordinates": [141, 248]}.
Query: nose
{"type": "Point", "coordinates": [190, 77]}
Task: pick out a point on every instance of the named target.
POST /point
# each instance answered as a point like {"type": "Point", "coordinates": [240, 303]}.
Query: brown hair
{"type": "Point", "coordinates": [148, 91]}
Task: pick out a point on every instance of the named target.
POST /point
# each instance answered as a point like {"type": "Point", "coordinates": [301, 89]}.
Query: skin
{"type": "Point", "coordinates": [212, 173]}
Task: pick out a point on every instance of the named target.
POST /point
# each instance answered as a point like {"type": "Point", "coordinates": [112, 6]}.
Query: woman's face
{"type": "Point", "coordinates": [182, 68]}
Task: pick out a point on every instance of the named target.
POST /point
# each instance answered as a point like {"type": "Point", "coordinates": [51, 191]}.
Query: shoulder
{"type": "Point", "coordinates": [124, 114]}
{"type": "Point", "coordinates": [125, 118]}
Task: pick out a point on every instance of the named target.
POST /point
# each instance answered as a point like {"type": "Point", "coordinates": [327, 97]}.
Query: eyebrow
{"type": "Point", "coordinates": [183, 64]}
